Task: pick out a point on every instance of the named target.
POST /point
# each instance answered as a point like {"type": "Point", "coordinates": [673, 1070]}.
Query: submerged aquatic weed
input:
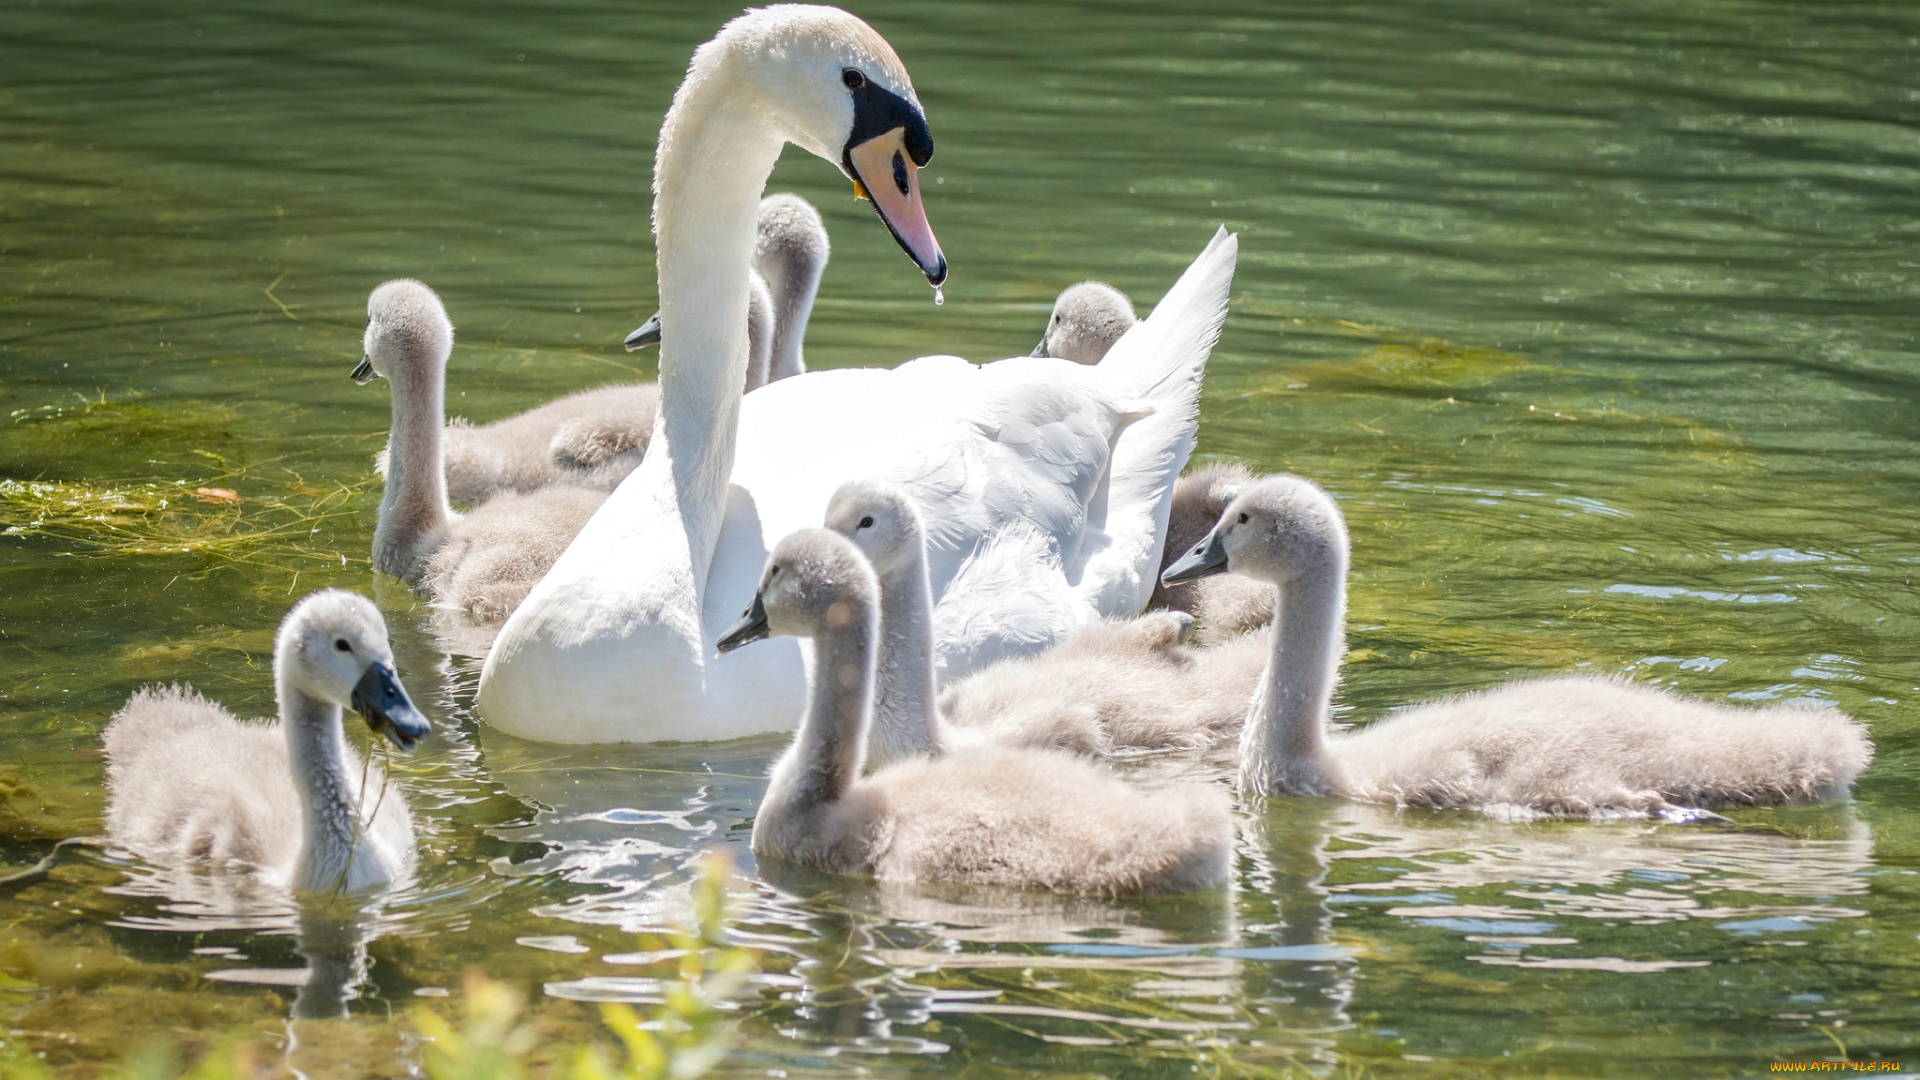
{"type": "Point", "coordinates": [183, 518]}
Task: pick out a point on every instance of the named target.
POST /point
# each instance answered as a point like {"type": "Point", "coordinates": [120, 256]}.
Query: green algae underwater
{"type": "Point", "coordinates": [1599, 320]}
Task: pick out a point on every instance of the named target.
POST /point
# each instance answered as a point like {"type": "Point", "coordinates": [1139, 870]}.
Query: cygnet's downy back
{"type": "Point", "coordinates": [1224, 605]}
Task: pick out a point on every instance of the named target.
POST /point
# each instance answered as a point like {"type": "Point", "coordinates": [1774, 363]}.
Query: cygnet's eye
{"type": "Point", "coordinates": [342, 644]}
{"type": "Point", "coordinates": [1243, 517]}
{"type": "Point", "coordinates": [867, 522]}
{"type": "Point", "coordinates": [852, 79]}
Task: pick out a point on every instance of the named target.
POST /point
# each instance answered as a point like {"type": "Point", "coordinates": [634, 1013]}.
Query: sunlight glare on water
{"type": "Point", "coordinates": [1598, 320]}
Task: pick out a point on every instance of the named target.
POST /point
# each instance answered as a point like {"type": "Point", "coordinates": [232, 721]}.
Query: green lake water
{"type": "Point", "coordinates": [1599, 319]}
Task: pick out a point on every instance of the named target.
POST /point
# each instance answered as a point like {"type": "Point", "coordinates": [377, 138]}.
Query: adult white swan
{"type": "Point", "coordinates": [616, 644]}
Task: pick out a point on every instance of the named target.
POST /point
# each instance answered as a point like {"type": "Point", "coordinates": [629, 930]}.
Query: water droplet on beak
{"type": "Point", "coordinates": [938, 296]}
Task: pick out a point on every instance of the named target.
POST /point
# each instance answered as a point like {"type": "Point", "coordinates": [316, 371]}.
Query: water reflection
{"type": "Point", "coordinates": [855, 965]}
{"type": "Point", "coordinates": [1519, 889]}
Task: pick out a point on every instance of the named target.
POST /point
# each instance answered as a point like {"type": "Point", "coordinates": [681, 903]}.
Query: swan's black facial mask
{"type": "Point", "coordinates": [884, 153]}
{"type": "Point", "coordinates": [380, 698]}
{"type": "Point", "coordinates": [752, 627]}
{"type": "Point", "coordinates": [1208, 557]}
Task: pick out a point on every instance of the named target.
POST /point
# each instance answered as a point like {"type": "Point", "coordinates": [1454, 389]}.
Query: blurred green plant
{"type": "Point", "coordinates": [682, 1036]}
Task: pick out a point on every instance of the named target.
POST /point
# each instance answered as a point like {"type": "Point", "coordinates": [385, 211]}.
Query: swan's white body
{"type": "Point", "coordinates": [290, 802]}
{"type": "Point", "coordinates": [616, 643]}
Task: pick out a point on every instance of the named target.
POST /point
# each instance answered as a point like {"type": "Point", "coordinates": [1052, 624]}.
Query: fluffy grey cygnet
{"type": "Point", "coordinates": [790, 253]}
{"type": "Point", "coordinates": [1224, 605]}
{"type": "Point", "coordinates": [1118, 687]}
{"type": "Point", "coordinates": [290, 802]}
{"type": "Point", "coordinates": [1569, 745]}
{"type": "Point", "coordinates": [975, 816]}
{"type": "Point", "coordinates": [1087, 319]}
{"type": "Point", "coordinates": [485, 561]}
{"type": "Point", "coordinates": [594, 438]}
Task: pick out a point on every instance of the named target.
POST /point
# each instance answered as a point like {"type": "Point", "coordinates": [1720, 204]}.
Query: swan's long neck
{"type": "Point", "coordinates": [1283, 748]}
{"type": "Point", "coordinates": [833, 737]}
{"type": "Point", "coordinates": [794, 278]}
{"type": "Point", "coordinates": [413, 509]}
{"type": "Point", "coordinates": [906, 717]}
{"type": "Point", "coordinates": [714, 158]}
{"type": "Point", "coordinates": [329, 797]}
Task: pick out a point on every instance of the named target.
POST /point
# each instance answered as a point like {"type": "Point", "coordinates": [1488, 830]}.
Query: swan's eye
{"type": "Point", "coordinates": [852, 79]}
{"type": "Point", "coordinates": [1243, 518]}
{"type": "Point", "coordinates": [867, 522]}
{"type": "Point", "coordinates": [342, 644]}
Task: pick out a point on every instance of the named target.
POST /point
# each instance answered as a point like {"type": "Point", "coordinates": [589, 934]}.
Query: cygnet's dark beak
{"type": "Point", "coordinates": [648, 334]}
{"type": "Point", "coordinates": [1208, 557]}
{"type": "Point", "coordinates": [380, 698]}
{"type": "Point", "coordinates": [1041, 349]}
{"type": "Point", "coordinates": [752, 627]}
{"type": "Point", "coordinates": [363, 372]}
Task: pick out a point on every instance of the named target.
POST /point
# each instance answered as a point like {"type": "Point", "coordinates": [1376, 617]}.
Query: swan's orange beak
{"type": "Point", "coordinates": [886, 172]}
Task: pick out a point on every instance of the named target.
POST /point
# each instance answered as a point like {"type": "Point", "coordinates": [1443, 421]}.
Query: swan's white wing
{"type": "Point", "coordinates": [1010, 598]}
{"type": "Point", "coordinates": [979, 446]}
{"type": "Point", "coordinates": [1161, 360]}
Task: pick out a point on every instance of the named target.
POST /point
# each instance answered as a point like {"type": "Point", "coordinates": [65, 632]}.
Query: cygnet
{"type": "Point", "coordinates": [973, 816]}
{"type": "Point", "coordinates": [485, 561]}
{"type": "Point", "coordinates": [1087, 319]}
{"type": "Point", "coordinates": [290, 803]}
{"type": "Point", "coordinates": [1568, 745]}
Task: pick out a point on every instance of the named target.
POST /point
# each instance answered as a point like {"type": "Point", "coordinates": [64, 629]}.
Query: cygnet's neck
{"type": "Point", "coordinates": [793, 276]}
{"type": "Point", "coordinates": [329, 798]}
{"type": "Point", "coordinates": [413, 509]}
{"type": "Point", "coordinates": [759, 333]}
{"type": "Point", "coordinates": [833, 737]}
{"type": "Point", "coordinates": [716, 152]}
{"type": "Point", "coordinates": [906, 717]}
{"type": "Point", "coordinates": [1283, 748]}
